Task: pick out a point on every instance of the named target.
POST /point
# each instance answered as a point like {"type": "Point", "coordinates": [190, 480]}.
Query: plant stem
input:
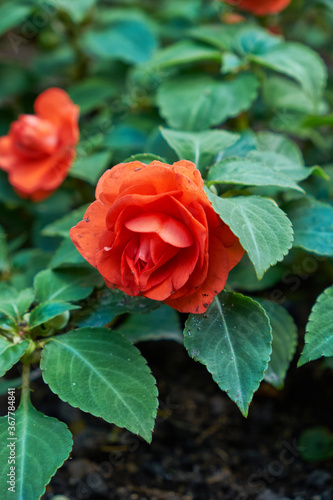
{"type": "Point", "coordinates": [25, 383]}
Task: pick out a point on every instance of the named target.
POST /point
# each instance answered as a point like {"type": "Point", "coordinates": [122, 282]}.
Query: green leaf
{"type": "Point", "coordinates": [48, 310]}
{"type": "Point", "coordinates": [10, 353]}
{"type": "Point", "coordinates": [43, 444]}
{"type": "Point", "coordinates": [66, 255]}
{"type": "Point", "coordinates": [281, 95]}
{"type": "Point", "coordinates": [62, 226]}
{"type": "Point", "coordinates": [319, 330]}
{"type": "Point", "coordinates": [283, 164]}
{"type": "Point", "coordinates": [243, 276]}
{"type": "Point", "coordinates": [284, 342]}
{"type": "Point", "coordinates": [78, 10]}
{"type": "Point", "coordinates": [298, 62]}
{"type": "Point", "coordinates": [9, 17]}
{"type": "Point", "coordinates": [263, 229]}
{"type": "Point", "coordinates": [145, 158]}
{"type": "Point", "coordinates": [91, 93]}
{"type": "Point", "coordinates": [162, 324]}
{"type": "Point", "coordinates": [249, 172]}
{"type": "Point", "coordinates": [280, 144]}
{"type": "Point", "coordinates": [183, 52]}
{"type": "Point", "coordinates": [109, 304]}
{"type": "Point", "coordinates": [128, 41]}
{"type": "Point", "coordinates": [24, 300]}
{"type": "Point", "coordinates": [233, 339]}
{"type": "Point", "coordinates": [121, 388]}
{"type": "Point", "coordinates": [64, 284]}
{"type": "Point", "coordinates": [205, 101]}
{"type": "Point", "coordinates": [199, 147]}
{"type": "Point", "coordinates": [313, 225]}
{"type": "Point", "coordinates": [90, 168]}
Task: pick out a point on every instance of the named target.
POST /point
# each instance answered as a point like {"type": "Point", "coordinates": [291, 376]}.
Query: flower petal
{"type": "Point", "coordinates": [170, 230]}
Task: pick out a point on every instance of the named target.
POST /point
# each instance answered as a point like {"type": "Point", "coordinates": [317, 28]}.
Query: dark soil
{"type": "Point", "coordinates": [202, 447]}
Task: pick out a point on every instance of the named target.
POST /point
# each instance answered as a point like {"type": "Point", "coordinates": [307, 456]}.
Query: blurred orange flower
{"type": "Point", "coordinates": [260, 7]}
{"type": "Point", "coordinates": [40, 149]}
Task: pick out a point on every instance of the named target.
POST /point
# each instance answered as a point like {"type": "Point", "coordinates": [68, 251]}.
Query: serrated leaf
{"type": "Point", "coordinates": [48, 310]}
{"type": "Point", "coordinates": [233, 339]}
{"type": "Point", "coordinates": [263, 229]}
{"type": "Point", "coordinates": [90, 168]}
{"type": "Point", "coordinates": [205, 101]}
{"type": "Point", "coordinates": [64, 284]}
{"type": "Point", "coordinates": [121, 388]}
{"type": "Point", "coordinates": [284, 342]}
{"type": "Point", "coordinates": [298, 62]}
{"type": "Point", "coordinates": [62, 226]}
{"type": "Point", "coordinates": [313, 225]}
{"type": "Point", "coordinates": [249, 171]}
{"type": "Point", "coordinates": [319, 330]}
{"type": "Point", "coordinates": [283, 164]}
{"type": "Point", "coordinates": [199, 147]}
{"type": "Point", "coordinates": [161, 324]}
{"type": "Point", "coordinates": [24, 300]}
{"type": "Point", "coordinates": [41, 447]}
{"type": "Point", "coordinates": [10, 353]}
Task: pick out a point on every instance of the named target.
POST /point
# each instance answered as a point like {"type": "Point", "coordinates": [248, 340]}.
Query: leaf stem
{"type": "Point", "coordinates": [25, 383]}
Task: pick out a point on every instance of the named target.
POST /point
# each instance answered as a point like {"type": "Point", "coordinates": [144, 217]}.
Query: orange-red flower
{"type": "Point", "coordinates": [152, 231]}
{"type": "Point", "coordinates": [260, 7]}
{"type": "Point", "coordinates": [40, 149]}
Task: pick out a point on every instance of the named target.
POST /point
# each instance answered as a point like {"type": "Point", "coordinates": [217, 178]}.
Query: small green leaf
{"type": "Point", "coordinates": [10, 353]}
{"type": "Point", "coordinates": [121, 388]}
{"type": "Point", "coordinates": [199, 147]}
{"type": "Point", "coordinates": [233, 339]}
{"type": "Point", "coordinates": [298, 62]}
{"type": "Point", "coordinates": [313, 225]}
{"type": "Point", "coordinates": [48, 310]}
{"type": "Point", "coordinates": [64, 284]}
{"type": "Point", "coordinates": [205, 101]}
{"type": "Point", "coordinates": [90, 168]}
{"type": "Point", "coordinates": [319, 330]}
{"type": "Point", "coordinates": [284, 342]}
{"type": "Point", "coordinates": [24, 300]}
{"type": "Point", "coordinates": [62, 226]}
{"type": "Point", "coordinates": [42, 445]}
{"type": "Point", "coordinates": [145, 158]}
{"type": "Point", "coordinates": [249, 172]}
{"type": "Point", "coordinates": [263, 229]}
{"type": "Point", "coordinates": [161, 324]}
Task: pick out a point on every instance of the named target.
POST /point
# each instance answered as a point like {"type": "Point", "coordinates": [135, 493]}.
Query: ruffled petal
{"type": "Point", "coordinates": [87, 233]}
